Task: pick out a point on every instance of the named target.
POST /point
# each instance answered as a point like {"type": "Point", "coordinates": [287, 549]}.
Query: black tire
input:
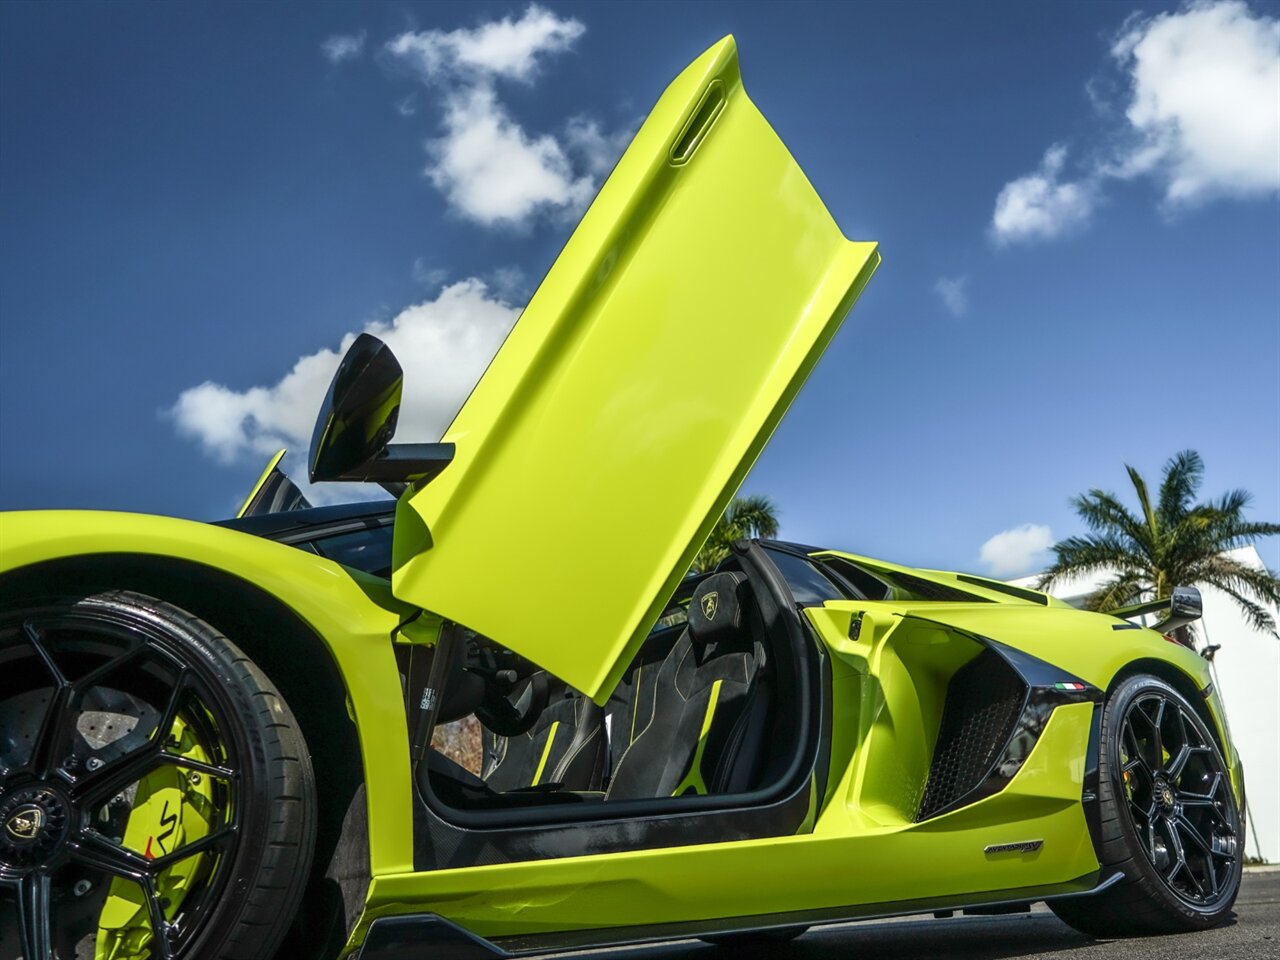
{"type": "Point", "coordinates": [757, 940]}
{"type": "Point", "coordinates": [184, 692]}
{"type": "Point", "coordinates": [1169, 819]}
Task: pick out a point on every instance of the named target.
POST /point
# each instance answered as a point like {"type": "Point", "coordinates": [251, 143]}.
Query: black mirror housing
{"type": "Point", "coordinates": [352, 436]}
{"type": "Point", "coordinates": [1185, 606]}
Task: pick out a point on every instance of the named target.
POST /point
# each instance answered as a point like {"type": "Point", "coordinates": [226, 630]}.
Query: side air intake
{"type": "Point", "coordinates": [984, 701]}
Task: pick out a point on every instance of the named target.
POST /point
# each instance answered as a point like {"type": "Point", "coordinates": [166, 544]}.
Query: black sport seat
{"type": "Point", "coordinates": [565, 746]}
{"type": "Point", "coordinates": [710, 703]}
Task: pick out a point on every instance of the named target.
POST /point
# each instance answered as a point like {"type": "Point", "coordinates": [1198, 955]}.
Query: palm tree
{"type": "Point", "coordinates": [1175, 541]}
{"type": "Point", "coordinates": [754, 516]}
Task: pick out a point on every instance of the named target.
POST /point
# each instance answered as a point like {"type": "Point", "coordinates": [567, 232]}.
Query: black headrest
{"type": "Point", "coordinates": [718, 608]}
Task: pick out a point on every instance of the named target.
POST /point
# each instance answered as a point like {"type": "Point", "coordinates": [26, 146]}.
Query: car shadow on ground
{"type": "Point", "coordinates": [1037, 934]}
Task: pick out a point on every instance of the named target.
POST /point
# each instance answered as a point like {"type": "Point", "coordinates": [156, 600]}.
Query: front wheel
{"type": "Point", "coordinates": [156, 795]}
{"type": "Point", "coordinates": [1169, 819]}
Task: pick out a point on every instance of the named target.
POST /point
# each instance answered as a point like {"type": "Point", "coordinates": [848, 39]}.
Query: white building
{"type": "Point", "coordinates": [1246, 670]}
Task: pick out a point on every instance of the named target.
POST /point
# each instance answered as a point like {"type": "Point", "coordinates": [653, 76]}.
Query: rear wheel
{"type": "Point", "coordinates": [1169, 819]}
{"type": "Point", "coordinates": [156, 795]}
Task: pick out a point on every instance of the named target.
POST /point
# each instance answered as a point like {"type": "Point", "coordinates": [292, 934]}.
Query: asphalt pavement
{"type": "Point", "coordinates": [1252, 934]}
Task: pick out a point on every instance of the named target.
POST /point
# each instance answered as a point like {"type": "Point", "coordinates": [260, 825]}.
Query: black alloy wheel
{"type": "Point", "coordinates": [1169, 819]}
{"type": "Point", "coordinates": [156, 795]}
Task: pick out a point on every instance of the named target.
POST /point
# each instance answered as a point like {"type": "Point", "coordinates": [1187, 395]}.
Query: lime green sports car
{"type": "Point", "coordinates": [216, 740]}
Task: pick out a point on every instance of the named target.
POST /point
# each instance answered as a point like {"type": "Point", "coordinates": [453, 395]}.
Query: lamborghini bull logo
{"type": "Point", "coordinates": [25, 824]}
{"type": "Point", "coordinates": [710, 604]}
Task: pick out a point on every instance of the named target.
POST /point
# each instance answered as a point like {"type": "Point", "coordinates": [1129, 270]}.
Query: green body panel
{"type": "Point", "coordinates": [841, 863]}
{"type": "Point", "coordinates": [354, 615]}
{"type": "Point", "coordinates": [649, 369]}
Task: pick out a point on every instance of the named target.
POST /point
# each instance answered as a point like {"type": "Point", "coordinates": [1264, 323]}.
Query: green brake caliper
{"type": "Point", "coordinates": [172, 808]}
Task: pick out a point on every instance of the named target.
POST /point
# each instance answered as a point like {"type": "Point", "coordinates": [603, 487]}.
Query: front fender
{"type": "Point", "coordinates": [354, 615]}
{"type": "Point", "coordinates": [1084, 643]}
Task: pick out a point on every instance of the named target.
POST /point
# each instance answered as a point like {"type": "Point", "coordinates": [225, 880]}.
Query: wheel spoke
{"type": "Point", "coordinates": [215, 839]}
{"type": "Point", "coordinates": [1188, 830]}
{"type": "Point", "coordinates": [1158, 735]}
{"type": "Point", "coordinates": [1182, 728]}
{"type": "Point", "coordinates": [212, 769]}
{"type": "Point", "coordinates": [1152, 851]}
{"type": "Point", "coordinates": [117, 774]}
{"type": "Point", "coordinates": [1189, 798]}
{"type": "Point", "coordinates": [91, 678]}
{"type": "Point", "coordinates": [96, 850]}
{"type": "Point", "coordinates": [1180, 858]}
{"type": "Point", "coordinates": [182, 687]}
{"type": "Point", "coordinates": [163, 949]}
{"type": "Point", "coordinates": [1143, 749]}
{"type": "Point", "coordinates": [1179, 762]}
{"type": "Point", "coordinates": [49, 749]}
{"type": "Point", "coordinates": [1212, 869]}
{"type": "Point", "coordinates": [34, 921]}
{"type": "Point", "coordinates": [36, 640]}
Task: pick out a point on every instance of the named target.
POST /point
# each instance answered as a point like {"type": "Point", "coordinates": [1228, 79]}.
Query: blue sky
{"type": "Point", "coordinates": [1077, 206]}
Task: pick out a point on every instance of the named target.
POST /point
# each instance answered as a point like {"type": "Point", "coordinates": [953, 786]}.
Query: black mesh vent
{"type": "Point", "coordinates": [984, 700]}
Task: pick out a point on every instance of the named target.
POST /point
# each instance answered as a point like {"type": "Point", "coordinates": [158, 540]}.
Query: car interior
{"type": "Point", "coordinates": [689, 717]}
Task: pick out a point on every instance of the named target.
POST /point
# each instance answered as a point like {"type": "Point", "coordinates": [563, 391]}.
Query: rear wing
{"type": "Point", "coordinates": [1180, 608]}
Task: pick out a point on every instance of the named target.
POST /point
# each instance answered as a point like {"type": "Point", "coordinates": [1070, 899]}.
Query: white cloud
{"type": "Point", "coordinates": [443, 344]}
{"type": "Point", "coordinates": [1040, 205]}
{"type": "Point", "coordinates": [1205, 101]}
{"type": "Point", "coordinates": [407, 106]}
{"type": "Point", "coordinates": [500, 48]}
{"type": "Point", "coordinates": [488, 167]}
{"type": "Point", "coordinates": [493, 172]}
{"type": "Point", "coordinates": [954, 292]}
{"type": "Point", "coordinates": [1016, 552]}
{"type": "Point", "coordinates": [342, 47]}
{"type": "Point", "coordinates": [1201, 116]}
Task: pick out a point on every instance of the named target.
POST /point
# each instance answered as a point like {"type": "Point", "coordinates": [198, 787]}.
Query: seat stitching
{"type": "Point", "coordinates": [568, 760]}
{"type": "Point", "coordinates": [652, 713]}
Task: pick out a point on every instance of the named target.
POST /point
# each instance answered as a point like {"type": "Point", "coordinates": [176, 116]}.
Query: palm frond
{"type": "Point", "coordinates": [1225, 572]}
{"type": "Point", "coordinates": [1082, 556]}
{"type": "Point", "coordinates": [745, 517]}
{"type": "Point", "coordinates": [1258, 616]}
{"type": "Point", "coordinates": [1122, 589]}
{"type": "Point", "coordinates": [1104, 514]}
{"type": "Point", "coordinates": [755, 516]}
{"type": "Point", "coordinates": [1182, 477]}
{"type": "Point", "coordinates": [1144, 501]}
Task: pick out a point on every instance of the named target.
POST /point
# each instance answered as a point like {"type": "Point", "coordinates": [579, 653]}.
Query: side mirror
{"type": "Point", "coordinates": [1185, 606]}
{"type": "Point", "coordinates": [352, 437]}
